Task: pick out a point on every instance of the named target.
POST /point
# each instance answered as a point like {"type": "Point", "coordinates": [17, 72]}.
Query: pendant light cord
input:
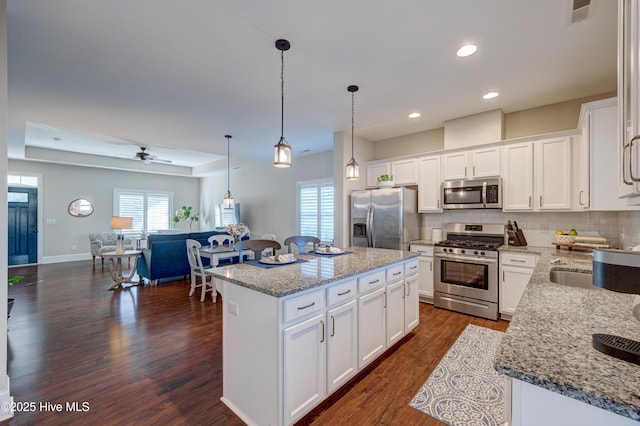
{"type": "Point", "coordinates": [352, 120]}
{"type": "Point", "coordinates": [228, 165]}
{"type": "Point", "coordinates": [282, 94]}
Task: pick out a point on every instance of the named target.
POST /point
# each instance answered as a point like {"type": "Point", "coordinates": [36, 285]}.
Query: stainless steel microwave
{"type": "Point", "coordinates": [472, 194]}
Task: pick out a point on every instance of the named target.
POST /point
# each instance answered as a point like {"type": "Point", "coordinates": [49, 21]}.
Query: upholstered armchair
{"type": "Point", "coordinates": [102, 242]}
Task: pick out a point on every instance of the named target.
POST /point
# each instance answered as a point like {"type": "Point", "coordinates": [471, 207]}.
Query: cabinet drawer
{"type": "Point", "coordinates": [371, 281]}
{"type": "Point", "coordinates": [411, 267]}
{"type": "Point", "coordinates": [302, 306]}
{"type": "Point", "coordinates": [422, 249]}
{"type": "Point", "coordinates": [342, 292]}
{"type": "Point", "coordinates": [519, 259]}
{"type": "Point", "coordinates": [395, 273]}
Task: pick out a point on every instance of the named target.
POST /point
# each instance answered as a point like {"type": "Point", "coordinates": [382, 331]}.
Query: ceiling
{"type": "Point", "coordinates": [97, 80]}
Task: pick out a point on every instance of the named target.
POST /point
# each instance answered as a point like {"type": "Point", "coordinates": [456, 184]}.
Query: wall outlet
{"type": "Point", "coordinates": [51, 221]}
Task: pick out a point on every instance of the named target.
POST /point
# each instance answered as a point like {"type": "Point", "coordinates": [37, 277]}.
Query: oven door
{"type": "Point", "coordinates": [472, 277]}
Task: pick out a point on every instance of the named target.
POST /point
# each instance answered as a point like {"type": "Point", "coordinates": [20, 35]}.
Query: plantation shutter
{"type": "Point", "coordinates": [315, 209]}
{"type": "Point", "coordinates": [150, 210]}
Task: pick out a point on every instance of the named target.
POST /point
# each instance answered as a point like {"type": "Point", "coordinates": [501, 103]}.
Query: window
{"type": "Point", "coordinates": [315, 209]}
{"type": "Point", "coordinates": [150, 210]}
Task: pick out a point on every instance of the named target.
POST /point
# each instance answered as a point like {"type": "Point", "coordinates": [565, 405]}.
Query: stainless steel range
{"type": "Point", "coordinates": [466, 269]}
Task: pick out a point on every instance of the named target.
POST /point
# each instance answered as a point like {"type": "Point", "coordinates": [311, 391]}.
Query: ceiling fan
{"type": "Point", "coordinates": [147, 158]}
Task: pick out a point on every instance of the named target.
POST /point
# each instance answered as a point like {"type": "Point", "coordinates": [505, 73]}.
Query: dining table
{"type": "Point", "coordinates": [214, 254]}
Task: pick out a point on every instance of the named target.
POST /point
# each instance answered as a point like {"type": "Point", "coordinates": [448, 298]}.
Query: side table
{"type": "Point", "coordinates": [116, 268]}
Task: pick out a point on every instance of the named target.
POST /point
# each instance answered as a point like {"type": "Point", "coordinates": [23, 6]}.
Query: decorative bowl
{"type": "Point", "coordinates": [385, 184]}
{"type": "Point", "coordinates": [567, 239]}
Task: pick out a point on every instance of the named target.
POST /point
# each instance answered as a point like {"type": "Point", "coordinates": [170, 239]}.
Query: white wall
{"type": "Point", "coordinates": [267, 195]}
{"type": "Point", "coordinates": [62, 184]}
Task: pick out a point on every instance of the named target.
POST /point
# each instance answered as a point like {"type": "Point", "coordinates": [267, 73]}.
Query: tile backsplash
{"type": "Point", "coordinates": [621, 228]}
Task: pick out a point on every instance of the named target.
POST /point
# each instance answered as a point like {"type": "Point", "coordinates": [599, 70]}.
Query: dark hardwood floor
{"type": "Point", "coordinates": [152, 355]}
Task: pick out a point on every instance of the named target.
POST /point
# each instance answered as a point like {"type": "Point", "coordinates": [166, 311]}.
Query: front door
{"type": "Point", "coordinates": [23, 229]}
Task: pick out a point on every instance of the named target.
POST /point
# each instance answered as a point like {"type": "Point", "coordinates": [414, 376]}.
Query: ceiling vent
{"type": "Point", "coordinates": [580, 10]}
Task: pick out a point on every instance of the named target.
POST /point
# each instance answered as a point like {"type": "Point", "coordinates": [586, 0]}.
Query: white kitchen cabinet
{"type": "Point", "coordinates": [304, 367]}
{"type": "Point", "coordinates": [516, 270]}
{"type": "Point", "coordinates": [517, 176]}
{"type": "Point", "coordinates": [411, 303]}
{"type": "Point", "coordinates": [429, 185]}
{"type": "Point", "coordinates": [395, 312]}
{"type": "Point", "coordinates": [342, 344]}
{"type": "Point", "coordinates": [597, 159]}
{"type": "Point", "coordinates": [372, 326]}
{"type": "Point", "coordinates": [629, 97]}
{"type": "Point", "coordinates": [478, 163]}
{"type": "Point", "coordinates": [552, 159]}
{"type": "Point", "coordinates": [376, 169]}
{"type": "Point", "coordinates": [425, 267]}
{"type": "Point", "coordinates": [405, 172]}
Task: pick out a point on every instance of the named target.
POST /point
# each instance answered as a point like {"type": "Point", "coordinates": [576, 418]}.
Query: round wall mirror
{"type": "Point", "coordinates": [80, 207]}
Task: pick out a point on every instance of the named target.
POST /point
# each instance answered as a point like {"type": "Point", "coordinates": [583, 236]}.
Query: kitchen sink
{"type": "Point", "coordinates": [572, 278]}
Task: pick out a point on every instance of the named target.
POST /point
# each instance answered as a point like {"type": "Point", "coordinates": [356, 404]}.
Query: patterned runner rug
{"type": "Point", "coordinates": [464, 389]}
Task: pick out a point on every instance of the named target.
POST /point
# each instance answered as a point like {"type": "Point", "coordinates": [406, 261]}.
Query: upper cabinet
{"type": "Point", "coordinates": [537, 175]}
{"type": "Point", "coordinates": [429, 185]}
{"type": "Point", "coordinates": [402, 172]}
{"type": "Point", "coordinates": [629, 96]}
{"type": "Point", "coordinates": [405, 172]}
{"type": "Point", "coordinates": [374, 170]}
{"type": "Point", "coordinates": [478, 163]}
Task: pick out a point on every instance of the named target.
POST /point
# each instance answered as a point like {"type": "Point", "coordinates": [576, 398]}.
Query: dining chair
{"type": "Point", "coordinates": [301, 242]}
{"type": "Point", "coordinates": [257, 246]}
{"type": "Point", "coordinates": [219, 240]}
{"type": "Point", "coordinates": [197, 271]}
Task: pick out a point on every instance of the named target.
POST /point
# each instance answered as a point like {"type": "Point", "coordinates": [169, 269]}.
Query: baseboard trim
{"type": "Point", "coordinates": [6, 401]}
{"type": "Point", "coordinates": [66, 258]}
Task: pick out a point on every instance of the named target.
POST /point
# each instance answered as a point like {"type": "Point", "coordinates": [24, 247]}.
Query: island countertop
{"type": "Point", "coordinates": [316, 271]}
{"type": "Point", "coordinates": [548, 342]}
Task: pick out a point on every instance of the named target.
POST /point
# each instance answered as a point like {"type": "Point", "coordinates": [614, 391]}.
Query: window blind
{"type": "Point", "coordinates": [150, 210]}
{"type": "Point", "coordinates": [315, 209]}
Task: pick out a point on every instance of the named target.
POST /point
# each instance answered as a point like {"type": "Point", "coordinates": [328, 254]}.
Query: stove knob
{"type": "Point", "coordinates": [450, 250]}
{"type": "Point", "coordinates": [462, 251]}
{"type": "Point", "coordinates": [475, 252]}
{"type": "Point", "coordinates": [481, 253]}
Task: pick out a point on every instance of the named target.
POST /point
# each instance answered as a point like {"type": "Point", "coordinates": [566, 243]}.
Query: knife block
{"type": "Point", "coordinates": [516, 238]}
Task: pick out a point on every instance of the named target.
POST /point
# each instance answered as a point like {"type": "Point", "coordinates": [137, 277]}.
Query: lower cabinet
{"type": "Point", "coordinates": [372, 324]}
{"type": "Point", "coordinates": [304, 367]}
{"type": "Point", "coordinates": [395, 312]}
{"type": "Point", "coordinates": [426, 271]}
{"type": "Point", "coordinates": [516, 270]}
{"type": "Point", "coordinates": [411, 306]}
{"type": "Point", "coordinates": [342, 344]}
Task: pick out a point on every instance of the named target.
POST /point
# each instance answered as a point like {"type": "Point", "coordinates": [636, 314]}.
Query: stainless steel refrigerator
{"type": "Point", "coordinates": [384, 218]}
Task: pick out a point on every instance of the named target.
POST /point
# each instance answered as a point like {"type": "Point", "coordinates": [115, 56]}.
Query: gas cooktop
{"type": "Point", "coordinates": [478, 245]}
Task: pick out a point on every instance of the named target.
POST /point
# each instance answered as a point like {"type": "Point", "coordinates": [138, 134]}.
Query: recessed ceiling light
{"type": "Point", "coordinates": [466, 50]}
{"type": "Point", "coordinates": [414, 115]}
{"type": "Point", "coordinates": [490, 95]}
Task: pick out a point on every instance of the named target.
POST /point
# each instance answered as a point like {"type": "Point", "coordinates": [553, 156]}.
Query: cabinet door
{"type": "Point", "coordinates": [374, 170]}
{"type": "Point", "coordinates": [304, 367]}
{"type": "Point", "coordinates": [553, 173]}
{"type": "Point", "coordinates": [342, 344]}
{"type": "Point", "coordinates": [395, 312]}
{"type": "Point", "coordinates": [425, 287]}
{"type": "Point", "coordinates": [512, 285]}
{"type": "Point", "coordinates": [517, 176]}
{"type": "Point", "coordinates": [411, 308]}
{"type": "Point", "coordinates": [454, 166]}
{"type": "Point", "coordinates": [429, 185]}
{"type": "Point", "coordinates": [584, 192]}
{"type": "Point", "coordinates": [405, 172]}
{"type": "Point", "coordinates": [485, 162]}
{"type": "Point", "coordinates": [371, 326]}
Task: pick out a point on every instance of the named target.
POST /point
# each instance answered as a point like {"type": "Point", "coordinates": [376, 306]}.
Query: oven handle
{"type": "Point", "coordinates": [483, 261]}
{"type": "Point", "coordinates": [464, 302]}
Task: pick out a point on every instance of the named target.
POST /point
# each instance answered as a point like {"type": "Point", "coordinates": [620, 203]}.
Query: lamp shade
{"type": "Point", "coordinates": [121, 222]}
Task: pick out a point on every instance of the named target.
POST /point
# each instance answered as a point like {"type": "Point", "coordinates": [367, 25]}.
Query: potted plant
{"type": "Point", "coordinates": [11, 281]}
{"type": "Point", "coordinates": [385, 181]}
{"type": "Point", "coordinates": [185, 213]}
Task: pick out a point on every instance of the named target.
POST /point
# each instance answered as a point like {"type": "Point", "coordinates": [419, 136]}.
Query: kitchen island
{"type": "Point", "coordinates": [294, 334]}
{"type": "Point", "coordinates": [557, 375]}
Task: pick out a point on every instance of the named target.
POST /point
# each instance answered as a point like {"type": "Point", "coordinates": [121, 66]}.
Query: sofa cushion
{"type": "Point", "coordinates": [153, 238]}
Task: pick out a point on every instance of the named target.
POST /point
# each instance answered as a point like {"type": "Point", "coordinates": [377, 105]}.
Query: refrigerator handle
{"type": "Point", "coordinates": [370, 241]}
{"type": "Point", "coordinates": [484, 194]}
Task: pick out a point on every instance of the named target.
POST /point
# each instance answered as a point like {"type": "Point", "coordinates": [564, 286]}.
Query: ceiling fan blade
{"type": "Point", "coordinates": [161, 160]}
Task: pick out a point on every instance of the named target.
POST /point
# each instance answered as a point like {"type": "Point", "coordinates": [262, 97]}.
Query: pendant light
{"type": "Point", "coordinates": [353, 170]}
{"type": "Point", "coordinates": [227, 201]}
{"type": "Point", "coordinates": [282, 150]}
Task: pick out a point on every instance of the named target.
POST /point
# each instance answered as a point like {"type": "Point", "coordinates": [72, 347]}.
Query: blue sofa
{"type": "Point", "coordinates": [166, 255]}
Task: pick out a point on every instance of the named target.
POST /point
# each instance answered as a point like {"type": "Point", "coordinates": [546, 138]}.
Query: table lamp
{"type": "Point", "coordinates": [120, 223]}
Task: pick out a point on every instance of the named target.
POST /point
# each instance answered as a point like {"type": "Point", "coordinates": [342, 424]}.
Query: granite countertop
{"type": "Point", "coordinates": [317, 270]}
{"type": "Point", "coordinates": [548, 342]}
{"type": "Point", "coordinates": [421, 243]}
